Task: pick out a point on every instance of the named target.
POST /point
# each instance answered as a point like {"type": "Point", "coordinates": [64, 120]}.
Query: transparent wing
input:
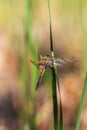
{"type": "Point", "coordinates": [40, 75]}
{"type": "Point", "coordinates": [62, 61]}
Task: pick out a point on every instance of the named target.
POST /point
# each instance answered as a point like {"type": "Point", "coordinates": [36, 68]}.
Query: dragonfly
{"type": "Point", "coordinates": [49, 62]}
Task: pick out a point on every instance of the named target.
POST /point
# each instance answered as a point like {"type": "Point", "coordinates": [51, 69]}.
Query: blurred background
{"type": "Point", "coordinates": [24, 35]}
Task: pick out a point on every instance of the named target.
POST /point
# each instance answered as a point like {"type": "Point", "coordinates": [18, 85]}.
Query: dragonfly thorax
{"type": "Point", "coordinates": [44, 63]}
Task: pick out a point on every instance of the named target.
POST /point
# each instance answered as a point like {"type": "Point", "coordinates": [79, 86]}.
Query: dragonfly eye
{"type": "Point", "coordinates": [48, 55]}
{"type": "Point", "coordinates": [39, 63]}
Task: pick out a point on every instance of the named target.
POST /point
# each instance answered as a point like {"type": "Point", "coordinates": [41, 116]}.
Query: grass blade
{"type": "Point", "coordinates": [54, 77]}
{"type": "Point", "coordinates": [82, 103]}
{"type": "Point", "coordinates": [54, 93]}
{"type": "Point", "coordinates": [31, 50]}
{"type": "Point", "coordinates": [61, 111]}
{"type": "Point", "coordinates": [54, 96]}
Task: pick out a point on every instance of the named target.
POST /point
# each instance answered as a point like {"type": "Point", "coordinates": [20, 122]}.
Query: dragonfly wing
{"type": "Point", "coordinates": [69, 65]}
{"type": "Point", "coordinates": [40, 75]}
{"type": "Point", "coordinates": [60, 62]}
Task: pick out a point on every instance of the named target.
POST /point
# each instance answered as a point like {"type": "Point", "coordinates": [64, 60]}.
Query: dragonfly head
{"type": "Point", "coordinates": [44, 61]}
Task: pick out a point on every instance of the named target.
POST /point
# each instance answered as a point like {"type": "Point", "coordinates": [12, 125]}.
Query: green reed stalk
{"type": "Point", "coordinates": [82, 103]}
{"type": "Point", "coordinates": [31, 50]}
{"type": "Point", "coordinates": [81, 6]}
{"type": "Point", "coordinates": [54, 79]}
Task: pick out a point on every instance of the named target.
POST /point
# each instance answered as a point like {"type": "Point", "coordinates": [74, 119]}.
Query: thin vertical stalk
{"type": "Point", "coordinates": [82, 103]}
{"type": "Point", "coordinates": [54, 78]}
{"type": "Point", "coordinates": [31, 49]}
{"type": "Point", "coordinates": [54, 93]}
